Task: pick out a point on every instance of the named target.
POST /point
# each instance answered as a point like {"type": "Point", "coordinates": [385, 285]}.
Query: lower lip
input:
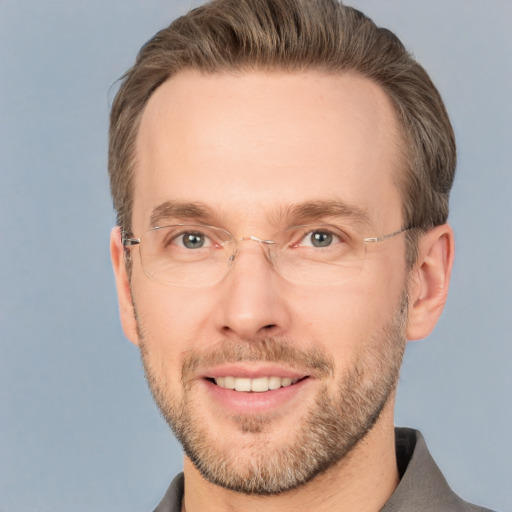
{"type": "Point", "coordinates": [240, 402]}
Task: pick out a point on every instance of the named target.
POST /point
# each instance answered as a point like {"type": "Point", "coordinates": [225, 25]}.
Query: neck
{"type": "Point", "coordinates": [363, 481]}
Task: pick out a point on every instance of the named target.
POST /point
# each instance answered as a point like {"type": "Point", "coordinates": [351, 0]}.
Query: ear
{"type": "Point", "coordinates": [429, 281]}
{"type": "Point", "coordinates": [126, 309]}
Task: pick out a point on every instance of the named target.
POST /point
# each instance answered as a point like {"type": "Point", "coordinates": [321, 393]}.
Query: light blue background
{"type": "Point", "coordinates": [78, 429]}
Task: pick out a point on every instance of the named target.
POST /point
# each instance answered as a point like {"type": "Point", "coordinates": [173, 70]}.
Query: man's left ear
{"type": "Point", "coordinates": [429, 281]}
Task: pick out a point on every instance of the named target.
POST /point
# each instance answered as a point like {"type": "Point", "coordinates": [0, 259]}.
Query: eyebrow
{"type": "Point", "coordinates": [323, 209]}
{"type": "Point", "coordinates": [294, 214]}
{"type": "Point", "coordinates": [179, 210]}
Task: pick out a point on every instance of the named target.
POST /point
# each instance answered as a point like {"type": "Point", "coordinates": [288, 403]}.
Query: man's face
{"type": "Point", "coordinates": [247, 151]}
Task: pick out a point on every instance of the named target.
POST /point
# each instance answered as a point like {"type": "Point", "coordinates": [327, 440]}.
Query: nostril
{"type": "Point", "coordinates": [269, 326]}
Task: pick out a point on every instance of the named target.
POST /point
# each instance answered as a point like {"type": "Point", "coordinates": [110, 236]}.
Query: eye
{"type": "Point", "coordinates": [192, 240]}
{"type": "Point", "coordinates": [319, 238]}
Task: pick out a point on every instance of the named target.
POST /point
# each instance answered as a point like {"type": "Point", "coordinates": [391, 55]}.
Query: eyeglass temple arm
{"type": "Point", "coordinates": [375, 239]}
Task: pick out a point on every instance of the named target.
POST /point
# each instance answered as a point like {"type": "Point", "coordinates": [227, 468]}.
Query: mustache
{"type": "Point", "coordinates": [312, 360]}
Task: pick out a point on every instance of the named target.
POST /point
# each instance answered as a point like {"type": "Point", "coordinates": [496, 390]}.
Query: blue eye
{"type": "Point", "coordinates": [192, 240]}
{"type": "Point", "coordinates": [320, 238]}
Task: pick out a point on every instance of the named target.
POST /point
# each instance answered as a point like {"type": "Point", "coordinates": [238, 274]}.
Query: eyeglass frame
{"type": "Point", "coordinates": [128, 242]}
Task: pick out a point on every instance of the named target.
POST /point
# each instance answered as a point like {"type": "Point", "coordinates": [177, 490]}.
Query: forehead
{"type": "Point", "coordinates": [250, 144]}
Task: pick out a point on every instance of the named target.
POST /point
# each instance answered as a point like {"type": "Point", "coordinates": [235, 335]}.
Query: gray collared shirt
{"type": "Point", "coordinates": [422, 486]}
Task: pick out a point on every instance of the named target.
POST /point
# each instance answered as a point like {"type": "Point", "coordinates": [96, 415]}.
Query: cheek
{"type": "Point", "coordinates": [347, 305]}
{"type": "Point", "coordinates": [172, 319]}
{"type": "Point", "coordinates": [344, 319]}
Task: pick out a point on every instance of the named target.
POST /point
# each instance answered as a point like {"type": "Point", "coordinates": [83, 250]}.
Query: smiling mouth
{"type": "Point", "coordinates": [256, 385]}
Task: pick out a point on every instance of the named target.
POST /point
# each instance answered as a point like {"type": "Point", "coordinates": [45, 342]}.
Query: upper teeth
{"type": "Point", "coordinates": [259, 385]}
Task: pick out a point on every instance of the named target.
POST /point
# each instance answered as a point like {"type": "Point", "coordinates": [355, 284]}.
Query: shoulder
{"type": "Point", "coordinates": [171, 502]}
{"type": "Point", "coordinates": [422, 487]}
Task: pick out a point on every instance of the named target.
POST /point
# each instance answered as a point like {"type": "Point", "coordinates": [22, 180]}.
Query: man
{"type": "Point", "coordinates": [281, 172]}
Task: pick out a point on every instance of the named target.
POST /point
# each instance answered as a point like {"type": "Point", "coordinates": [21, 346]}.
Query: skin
{"type": "Point", "coordinates": [248, 146]}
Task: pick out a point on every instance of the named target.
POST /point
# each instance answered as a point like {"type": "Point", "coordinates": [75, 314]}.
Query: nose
{"type": "Point", "coordinates": [252, 302]}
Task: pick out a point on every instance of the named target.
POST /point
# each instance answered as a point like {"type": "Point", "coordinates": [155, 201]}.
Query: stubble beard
{"type": "Point", "coordinates": [331, 428]}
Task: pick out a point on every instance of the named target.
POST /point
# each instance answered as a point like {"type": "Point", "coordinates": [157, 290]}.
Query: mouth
{"type": "Point", "coordinates": [255, 385]}
{"type": "Point", "coordinates": [242, 389]}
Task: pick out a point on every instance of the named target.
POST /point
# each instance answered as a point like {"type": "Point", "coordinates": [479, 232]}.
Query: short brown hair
{"type": "Point", "coordinates": [293, 35]}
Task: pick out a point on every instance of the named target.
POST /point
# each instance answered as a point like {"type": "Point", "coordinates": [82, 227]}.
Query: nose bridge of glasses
{"type": "Point", "coordinates": [266, 246]}
{"type": "Point", "coordinates": [255, 239]}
